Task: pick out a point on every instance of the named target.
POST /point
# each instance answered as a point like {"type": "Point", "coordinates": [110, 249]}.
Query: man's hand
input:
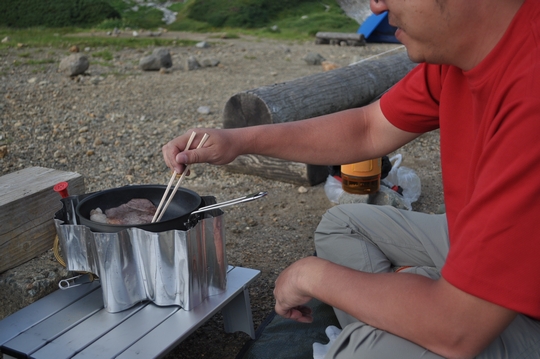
{"type": "Point", "coordinates": [290, 298]}
{"type": "Point", "coordinates": [220, 148]}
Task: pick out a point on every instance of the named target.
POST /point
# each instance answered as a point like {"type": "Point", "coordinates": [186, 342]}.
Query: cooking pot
{"type": "Point", "coordinates": [184, 203]}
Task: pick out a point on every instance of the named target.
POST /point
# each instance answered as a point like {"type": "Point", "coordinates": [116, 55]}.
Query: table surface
{"type": "Point", "coordinates": [73, 323]}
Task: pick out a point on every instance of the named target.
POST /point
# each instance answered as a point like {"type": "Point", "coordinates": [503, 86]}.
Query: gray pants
{"type": "Point", "coordinates": [378, 239]}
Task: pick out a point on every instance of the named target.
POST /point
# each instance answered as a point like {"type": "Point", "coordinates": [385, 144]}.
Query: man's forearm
{"type": "Point", "coordinates": [344, 137]}
{"type": "Point", "coordinates": [432, 314]}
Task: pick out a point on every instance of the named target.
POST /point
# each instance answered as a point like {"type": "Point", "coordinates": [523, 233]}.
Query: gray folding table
{"type": "Point", "coordinates": [74, 324]}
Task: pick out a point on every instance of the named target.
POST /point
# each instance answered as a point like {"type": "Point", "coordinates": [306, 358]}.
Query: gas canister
{"type": "Point", "coordinates": [362, 177]}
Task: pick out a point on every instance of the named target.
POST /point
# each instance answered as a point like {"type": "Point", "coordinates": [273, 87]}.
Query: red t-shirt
{"type": "Point", "coordinates": [489, 121]}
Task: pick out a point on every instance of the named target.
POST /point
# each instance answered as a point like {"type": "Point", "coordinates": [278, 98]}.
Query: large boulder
{"type": "Point", "coordinates": [75, 64]}
{"type": "Point", "coordinates": [160, 58]}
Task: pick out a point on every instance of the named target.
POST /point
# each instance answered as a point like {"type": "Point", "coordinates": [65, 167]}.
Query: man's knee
{"type": "Point", "coordinates": [341, 219]}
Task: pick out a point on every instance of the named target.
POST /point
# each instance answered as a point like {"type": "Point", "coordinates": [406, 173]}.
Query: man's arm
{"type": "Point", "coordinates": [344, 137]}
{"type": "Point", "coordinates": [432, 314]}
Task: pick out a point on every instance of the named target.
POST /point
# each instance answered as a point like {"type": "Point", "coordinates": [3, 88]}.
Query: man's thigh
{"type": "Point", "coordinates": [377, 238]}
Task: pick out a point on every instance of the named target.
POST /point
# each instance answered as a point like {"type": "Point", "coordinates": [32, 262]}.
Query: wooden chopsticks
{"type": "Point", "coordinates": [160, 211]}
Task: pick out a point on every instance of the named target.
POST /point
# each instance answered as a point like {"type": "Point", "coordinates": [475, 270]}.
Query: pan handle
{"type": "Point", "coordinates": [248, 198]}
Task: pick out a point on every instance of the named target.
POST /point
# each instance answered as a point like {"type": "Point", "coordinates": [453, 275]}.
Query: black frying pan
{"type": "Point", "coordinates": [185, 201]}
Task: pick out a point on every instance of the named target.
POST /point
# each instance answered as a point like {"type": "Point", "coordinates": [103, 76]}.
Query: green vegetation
{"type": "Point", "coordinates": [281, 19]}
{"type": "Point", "coordinates": [293, 18]}
{"type": "Point", "coordinates": [57, 13]}
{"type": "Point", "coordinates": [66, 37]}
{"type": "Point", "coordinates": [105, 55]}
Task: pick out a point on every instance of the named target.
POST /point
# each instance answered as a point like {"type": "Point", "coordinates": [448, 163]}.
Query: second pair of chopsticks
{"type": "Point", "coordinates": [160, 211]}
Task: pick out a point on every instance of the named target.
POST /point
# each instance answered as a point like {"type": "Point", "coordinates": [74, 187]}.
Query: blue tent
{"type": "Point", "coordinates": [377, 29]}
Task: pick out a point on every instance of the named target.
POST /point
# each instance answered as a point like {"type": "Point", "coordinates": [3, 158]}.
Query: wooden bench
{"type": "Point", "coordinates": [340, 38]}
{"type": "Point", "coordinates": [73, 323]}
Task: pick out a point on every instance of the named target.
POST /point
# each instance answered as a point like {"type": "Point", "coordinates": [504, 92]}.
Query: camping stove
{"type": "Point", "coordinates": [173, 267]}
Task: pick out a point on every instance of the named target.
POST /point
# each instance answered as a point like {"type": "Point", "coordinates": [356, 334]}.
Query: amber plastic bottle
{"type": "Point", "coordinates": [361, 177]}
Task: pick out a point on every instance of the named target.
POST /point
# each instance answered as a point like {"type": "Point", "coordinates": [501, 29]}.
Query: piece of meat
{"type": "Point", "coordinates": [136, 211]}
{"type": "Point", "coordinates": [97, 215]}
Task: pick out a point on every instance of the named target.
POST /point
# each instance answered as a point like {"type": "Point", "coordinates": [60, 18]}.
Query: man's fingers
{"type": "Point", "coordinates": [300, 314]}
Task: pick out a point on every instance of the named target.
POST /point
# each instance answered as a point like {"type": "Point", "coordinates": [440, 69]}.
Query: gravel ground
{"type": "Point", "coordinates": [110, 125]}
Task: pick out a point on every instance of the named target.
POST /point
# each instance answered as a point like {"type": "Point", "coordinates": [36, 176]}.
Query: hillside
{"type": "Point", "coordinates": [300, 17]}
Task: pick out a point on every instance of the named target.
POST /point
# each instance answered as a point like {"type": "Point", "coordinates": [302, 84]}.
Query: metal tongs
{"type": "Point", "coordinates": [248, 198]}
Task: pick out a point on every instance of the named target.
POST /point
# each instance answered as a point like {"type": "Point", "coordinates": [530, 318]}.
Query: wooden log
{"type": "Point", "coordinates": [277, 169]}
{"type": "Point", "coordinates": [27, 207]}
{"type": "Point", "coordinates": [340, 36]}
{"type": "Point", "coordinates": [320, 94]}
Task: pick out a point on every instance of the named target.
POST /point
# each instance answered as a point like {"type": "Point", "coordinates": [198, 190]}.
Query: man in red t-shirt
{"type": "Point", "coordinates": [469, 287]}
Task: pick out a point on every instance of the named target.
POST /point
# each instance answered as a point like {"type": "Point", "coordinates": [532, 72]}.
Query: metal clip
{"type": "Point", "coordinates": [75, 281]}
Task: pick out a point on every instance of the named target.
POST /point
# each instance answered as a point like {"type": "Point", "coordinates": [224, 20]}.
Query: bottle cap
{"type": "Point", "coordinates": [61, 188]}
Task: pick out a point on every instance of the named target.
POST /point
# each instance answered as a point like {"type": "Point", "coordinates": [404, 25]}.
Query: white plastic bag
{"type": "Point", "coordinates": [320, 350]}
{"type": "Point", "coordinates": [333, 189]}
{"type": "Point", "coordinates": [405, 178]}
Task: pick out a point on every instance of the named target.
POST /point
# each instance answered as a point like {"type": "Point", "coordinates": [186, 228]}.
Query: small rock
{"type": "Point", "coordinates": [6, 39]}
{"type": "Point", "coordinates": [3, 151]}
{"type": "Point", "coordinates": [313, 59]}
{"type": "Point", "coordinates": [274, 28]}
{"type": "Point", "coordinates": [32, 80]}
{"type": "Point", "coordinates": [74, 65]}
{"type": "Point", "coordinates": [302, 189]}
{"type": "Point", "coordinates": [90, 152]}
{"type": "Point", "coordinates": [98, 142]}
{"type": "Point", "coordinates": [203, 110]}
{"type": "Point", "coordinates": [327, 65]}
{"type": "Point", "coordinates": [441, 209]}
{"type": "Point", "coordinates": [192, 63]}
{"type": "Point", "coordinates": [87, 49]}
{"type": "Point", "coordinates": [164, 71]}
{"type": "Point", "coordinates": [96, 79]}
{"type": "Point", "coordinates": [83, 129]}
{"type": "Point", "coordinates": [209, 62]}
{"type": "Point", "coordinates": [160, 58]}
{"type": "Point", "coordinates": [135, 34]}
{"type": "Point", "coordinates": [74, 48]}
{"type": "Point", "coordinates": [202, 45]}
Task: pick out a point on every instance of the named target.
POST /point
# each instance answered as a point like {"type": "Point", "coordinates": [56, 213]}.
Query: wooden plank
{"type": "Point", "coordinates": [27, 206]}
{"type": "Point", "coordinates": [339, 36]}
{"type": "Point", "coordinates": [277, 169]}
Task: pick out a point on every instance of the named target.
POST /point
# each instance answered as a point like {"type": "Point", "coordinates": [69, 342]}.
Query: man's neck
{"type": "Point", "coordinates": [492, 20]}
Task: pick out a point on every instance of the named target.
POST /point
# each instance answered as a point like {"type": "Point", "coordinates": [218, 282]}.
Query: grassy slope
{"type": "Point", "coordinates": [300, 22]}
